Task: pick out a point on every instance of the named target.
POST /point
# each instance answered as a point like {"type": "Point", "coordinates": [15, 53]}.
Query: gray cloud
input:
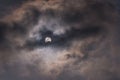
{"type": "Point", "coordinates": [85, 42]}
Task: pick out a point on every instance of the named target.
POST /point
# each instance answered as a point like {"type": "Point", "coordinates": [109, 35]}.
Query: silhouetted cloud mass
{"type": "Point", "coordinates": [84, 40]}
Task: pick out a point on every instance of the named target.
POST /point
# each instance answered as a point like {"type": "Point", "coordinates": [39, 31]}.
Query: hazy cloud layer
{"type": "Point", "coordinates": [84, 40]}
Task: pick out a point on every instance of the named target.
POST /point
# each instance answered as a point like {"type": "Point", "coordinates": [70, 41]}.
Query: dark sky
{"type": "Point", "coordinates": [7, 5]}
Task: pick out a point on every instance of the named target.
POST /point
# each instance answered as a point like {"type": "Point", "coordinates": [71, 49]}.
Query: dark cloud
{"type": "Point", "coordinates": [84, 40]}
{"type": "Point", "coordinates": [6, 6]}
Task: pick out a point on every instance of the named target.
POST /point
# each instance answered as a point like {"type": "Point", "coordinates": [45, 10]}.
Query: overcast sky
{"type": "Point", "coordinates": [5, 8]}
{"type": "Point", "coordinates": [7, 5]}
